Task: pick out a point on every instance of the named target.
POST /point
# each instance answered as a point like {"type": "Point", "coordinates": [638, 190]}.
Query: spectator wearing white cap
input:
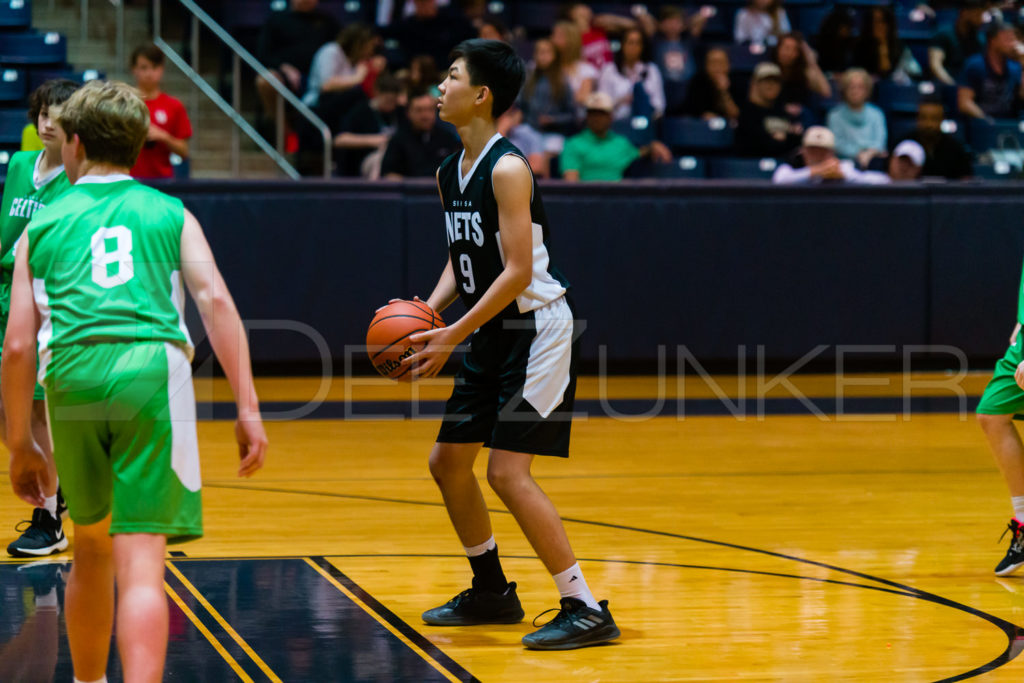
{"type": "Point", "coordinates": [906, 161]}
{"type": "Point", "coordinates": [822, 165]}
{"type": "Point", "coordinates": [599, 153]}
{"type": "Point", "coordinates": [765, 129]}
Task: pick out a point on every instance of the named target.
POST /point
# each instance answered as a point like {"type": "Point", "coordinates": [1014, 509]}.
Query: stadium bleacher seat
{"type": "Point", "coordinates": [13, 85]}
{"type": "Point", "coordinates": [37, 77]}
{"type": "Point", "coordinates": [901, 98]}
{"type": "Point", "coordinates": [743, 58]}
{"type": "Point", "coordinates": [728, 167]}
{"type": "Point", "coordinates": [12, 122]}
{"type": "Point", "coordinates": [639, 130]}
{"type": "Point", "coordinates": [684, 134]}
{"type": "Point", "coordinates": [808, 19]}
{"type": "Point", "coordinates": [681, 167]}
{"type": "Point", "coordinates": [1000, 134]}
{"type": "Point", "coordinates": [914, 24]}
{"type": "Point", "coordinates": [348, 11]}
{"type": "Point", "coordinates": [5, 159]}
{"type": "Point", "coordinates": [33, 48]}
{"type": "Point", "coordinates": [15, 14]}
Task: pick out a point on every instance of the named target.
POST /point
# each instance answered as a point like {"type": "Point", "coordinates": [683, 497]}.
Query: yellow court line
{"type": "Point", "coordinates": [206, 632]}
{"type": "Point", "coordinates": [383, 622]}
{"type": "Point", "coordinates": [224, 624]}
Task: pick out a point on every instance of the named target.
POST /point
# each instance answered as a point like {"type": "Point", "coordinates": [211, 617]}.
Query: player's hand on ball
{"type": "Point", "coordinates": [430, 360]}
{"type": "Point", "coordinates": [252, 445]}
{"type": "Point", "coordinates": [29, 476]}
{"type": "Point", "coordinates": [1019, 375]}
{"type": "Point", "coordinates": [395, 301]}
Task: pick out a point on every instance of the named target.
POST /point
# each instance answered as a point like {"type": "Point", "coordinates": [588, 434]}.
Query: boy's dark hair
{"type": "Point", "coordinates": [496, 65]}
{"type": "Point", "coordinates": [994, 29]}
{"type": "Point", "coordinates": [386, 83]}
{"type": "Point", "coordinates": [51, 92]}
{"type": "Point", "coordinates": [148, 50]}
{"type": "Point", "coordinates": [669, 12]}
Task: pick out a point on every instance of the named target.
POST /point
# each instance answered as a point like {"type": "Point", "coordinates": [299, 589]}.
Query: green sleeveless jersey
{"type": "Point", "coordinates": [106, 266]}
{"type": "Point", "coordinates": [22, 198]}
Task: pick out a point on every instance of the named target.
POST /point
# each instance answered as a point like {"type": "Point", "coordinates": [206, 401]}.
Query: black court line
{"type": "Point", "coordinates": [396, 622]}
{"type": "Point", "coordinates": [1014, 633]}
{"type": "Point", "coordinates": [749, 408]}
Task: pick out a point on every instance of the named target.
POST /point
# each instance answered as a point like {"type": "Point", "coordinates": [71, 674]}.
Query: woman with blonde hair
{"type": "Point", "coordinates": [858, 125]}
{"type": "Point", "coordinates": [581, 75]}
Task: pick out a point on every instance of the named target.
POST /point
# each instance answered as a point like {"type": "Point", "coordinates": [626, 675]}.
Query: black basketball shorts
{"type": "Point", "coordinates": [517, 384]}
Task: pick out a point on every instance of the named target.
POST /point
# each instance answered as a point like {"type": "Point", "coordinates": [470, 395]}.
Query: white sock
{"type": "Point", "coordinates": [50, 504]}
{"type": "Point", "coordinates": [571, 584]}
{"type": "Point", "coordinates": [1018, 507]}
{"type": "Point", "coordinates": [481, 548]}
{"type": "Point", "coordinates": [98, 680]}
{"type": "Point", "coordinates": [48, 600]}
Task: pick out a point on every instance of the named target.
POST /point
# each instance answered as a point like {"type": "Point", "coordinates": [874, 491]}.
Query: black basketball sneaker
{"type": "Point", "coordinates": [1015, 555]}
{"type": "Point", "coordinates": [575, 625]}
{"type": "Point", "coordinates": [44, 535]}
{"type": "Point", "coordinates": [476, 606]}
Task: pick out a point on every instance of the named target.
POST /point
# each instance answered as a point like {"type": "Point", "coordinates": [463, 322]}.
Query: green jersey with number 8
{"type": "Point", "coordinates": [106, 266]}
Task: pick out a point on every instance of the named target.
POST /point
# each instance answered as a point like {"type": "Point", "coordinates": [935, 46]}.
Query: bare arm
{"type": "Point", "coordinates": [358, 140]}
{"type": "Point", "coordinates": [936, 59]}
{"type": "Point", "coordinates": [178, 146]}
{"type": "Point", "coordinates": [513, 188]}
{"type": "Point", "coordinates": [571, 176]}
{"type": "Point", "coordinates": [965, 100]}
{"type": "Point", "coordinates": [28, 470]}
{"type": "Point", "coordinates": [227, 337]}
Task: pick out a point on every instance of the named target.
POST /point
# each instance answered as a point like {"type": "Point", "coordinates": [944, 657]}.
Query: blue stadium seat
{"type": "Point", "coordinates": [682, 167]}
{"type": "Point", "coordinates": [535, 17]}
{"type": "Point", "coordinates": [1002, 133]}
{"type": "Point", "coordinates": [684, 133]}
{"type": "Point", "coordinates": [12, 122]}
{"type": "Point", "coordinates": [743, 58]}
{"type": "Point", "coordinates": [727, 167]}
{"type": "Point", "coordinates": [5, 159]}
{"type": "Point", "coordinates": [347, 11]}
{"type": "Point", "coordinates": [809, 19]}
{"type": "Point", "coordinates": [719, 27]}
{"type": "Point", "coordinates": [15, 14]}
{"type": "Point", "coordinates": [899, 126]}
{"type": "Point", "coordinates": [902, 98]}
{"type": "Point", "coordinates": [37, 76]}
{"type": "Point", "coordinates": [13, 85]}
{"type": "Point", "coordinates": [1000, 170]}
{"type": "Point", "coordinates": [245, 14]}
{"type": "Point", "coordinates": [33, 48]}
{"type": "Point", "coordinates": [639, 130]}
{"type": "Point", "coordinates": [913, 24]}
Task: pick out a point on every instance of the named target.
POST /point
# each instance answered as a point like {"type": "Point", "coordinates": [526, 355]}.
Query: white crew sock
{"type": "Point", "coordinates": [1018, 508]}
{"type": "Point", "coordinates": [480, 549]}
{"type": "Point", "coordinates": [571, 584]}
{"type": "Point", "coordinates": [50, 505]}
{"type": "Point", "coordinates": [98, 680]}
{"type": "Point", "coordinates": [48, 600]}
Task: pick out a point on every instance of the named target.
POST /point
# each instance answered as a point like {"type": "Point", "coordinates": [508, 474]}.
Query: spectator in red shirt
{"type": "Point", "coordinates": [169, 127]}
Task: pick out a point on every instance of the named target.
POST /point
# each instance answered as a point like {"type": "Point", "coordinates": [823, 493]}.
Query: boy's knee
{"type": "Point", "coordinates": [502, 477]}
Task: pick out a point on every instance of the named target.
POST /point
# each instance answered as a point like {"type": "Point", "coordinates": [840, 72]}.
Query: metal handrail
{"type": "Point", "coordinates": [240, 53]}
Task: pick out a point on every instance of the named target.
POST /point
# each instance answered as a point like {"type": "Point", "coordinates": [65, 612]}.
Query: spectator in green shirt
{"type": "Point", "coordinates": [599, 153]}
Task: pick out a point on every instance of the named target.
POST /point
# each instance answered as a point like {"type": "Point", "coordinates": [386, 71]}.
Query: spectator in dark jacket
{"type": "Point", "coordinates": [952, 45]}
{"type": "Point", "coordinates": [712, 92]}
{"type": "Point", "coordinates": [944, 155]}
{"type": "Point", "coordinates": [431, 30]}
{"type": "Point", "coordinates": [287, 44]}
{"type": "Point", "coordinates": [421, 142]}
{"type": "Point", "coordinates": [764, 128]}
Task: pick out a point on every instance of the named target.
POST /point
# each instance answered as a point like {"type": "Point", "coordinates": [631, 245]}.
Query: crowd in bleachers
{"type": "Point", "coordinates": [639, 90]}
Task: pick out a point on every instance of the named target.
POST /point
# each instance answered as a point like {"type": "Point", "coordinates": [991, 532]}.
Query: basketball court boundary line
{"type": "Point", "coordinates": [224, 623]}
{"type": "Point", "coordinates": [217, 645]}
{"type": "Point", "coordinates": [416, 641]}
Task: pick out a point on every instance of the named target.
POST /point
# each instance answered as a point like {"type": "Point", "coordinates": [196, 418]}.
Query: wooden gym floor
{"type": "Point", "coordinates": [830, 532]}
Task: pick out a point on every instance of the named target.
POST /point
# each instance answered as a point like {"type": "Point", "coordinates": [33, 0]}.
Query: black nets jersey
{"type": "Point", "coordinates": [474, 241]}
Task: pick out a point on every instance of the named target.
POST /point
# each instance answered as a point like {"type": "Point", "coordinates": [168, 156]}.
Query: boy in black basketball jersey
{"type": "Point", "coordinates": [514, 391]}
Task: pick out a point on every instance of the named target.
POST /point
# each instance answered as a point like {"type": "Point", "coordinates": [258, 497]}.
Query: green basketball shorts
{"type": "Point", "coordinates": [1002, 395]}
{"type": "Point", "coordinates": [123, 424]}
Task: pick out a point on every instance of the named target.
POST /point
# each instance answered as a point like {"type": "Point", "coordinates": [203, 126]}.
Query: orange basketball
{"type": "Point", "coordinates": [387, 340]}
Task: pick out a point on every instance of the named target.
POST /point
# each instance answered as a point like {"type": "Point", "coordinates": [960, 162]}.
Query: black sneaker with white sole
{"type": "Point", "coordinates": [1014, 559]}
{"type": "Point", "coordinates": [476, 606]}
{"type": "Point", "coordinates": [575, 625]}
{"type": "Point", "coordinates": [44, 535]}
